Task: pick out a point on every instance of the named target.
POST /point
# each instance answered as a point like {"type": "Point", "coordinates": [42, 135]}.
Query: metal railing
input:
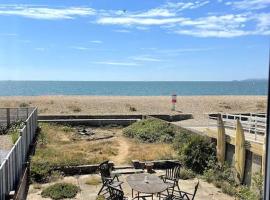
{"type": "Point", "coordinates": [12, 166]}
{"type": "Point", "coordinates": [253, 123]}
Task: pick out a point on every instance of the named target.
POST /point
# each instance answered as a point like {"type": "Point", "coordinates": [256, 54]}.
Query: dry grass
{"type": "Point", "coordinates": [93, 181]}
{"type": "Point", "coordinates": [62, 148]}
{"type": "Point", "coordinates": [146, 151]}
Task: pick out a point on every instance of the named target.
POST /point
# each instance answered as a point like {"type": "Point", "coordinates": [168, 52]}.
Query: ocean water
{"type": "Point", "coordinates": [134, 88]}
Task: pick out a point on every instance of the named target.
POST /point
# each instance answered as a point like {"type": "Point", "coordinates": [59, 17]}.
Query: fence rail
{"type": "Point", "coordinates": [253, 123]}
{"type": "Point", "coordinates": [12, 166]}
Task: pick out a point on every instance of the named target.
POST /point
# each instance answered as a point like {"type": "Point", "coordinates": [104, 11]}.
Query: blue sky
{"type": "Point", "coordinates": [134, 40]}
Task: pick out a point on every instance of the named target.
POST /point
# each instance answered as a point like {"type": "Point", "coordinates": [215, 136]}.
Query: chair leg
{"type": "Point", "coordinates": [179, 190]}
{"type": "Point", "coordinates": [101, 189]}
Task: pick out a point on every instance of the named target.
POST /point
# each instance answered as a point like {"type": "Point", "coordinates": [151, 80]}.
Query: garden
{"type": "Point", "coordinates": [145, 140]}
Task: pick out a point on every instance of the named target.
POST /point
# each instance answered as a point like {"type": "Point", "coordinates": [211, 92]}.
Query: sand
{"type": "Point", "coordinates": [197, 105]}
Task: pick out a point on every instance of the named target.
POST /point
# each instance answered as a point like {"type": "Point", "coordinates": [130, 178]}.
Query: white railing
{"type": "Point", "coordinates": [12, 166]}
{"type": "Point", "coordinates": [253, 123]}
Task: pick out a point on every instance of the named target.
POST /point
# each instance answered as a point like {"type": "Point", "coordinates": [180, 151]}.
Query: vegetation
{"type": "Point", "coordinates": [93, 181]}
{"type": "Point", "coordinates": [75, 108]}
{"type": "Point", "coordinates": [223, 177]}
{"type": "Point", "coordinates": [59, 146]}
{"type": "Point", "coordinates": [60, 191]}
{"type": "Point", "coordinates": [14, 132]}
{"type": "Point", "coordinates": [150, 130]}
{"type": "Point", "coordinates": [150, 151]}
{"type": "Point", "coordinates": [186, 174]}
{"type": "Point", "coordinates": [23, 105]}
{"type": "Point", "coordinates": [100, 197]}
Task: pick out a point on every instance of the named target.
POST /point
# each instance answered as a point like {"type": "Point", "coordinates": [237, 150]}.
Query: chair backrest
{"type": "Point", "coordinates": [115, 193]}
{"type": "Point", "coordinates": [173, 171]}
{"type": "Point", "coordinates": [105, 170]}
{"type": "Point", "coordinates": [195, 190]}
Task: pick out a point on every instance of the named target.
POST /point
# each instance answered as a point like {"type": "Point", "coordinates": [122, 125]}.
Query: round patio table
{"type": "Point", "coordinates": [152, 186]}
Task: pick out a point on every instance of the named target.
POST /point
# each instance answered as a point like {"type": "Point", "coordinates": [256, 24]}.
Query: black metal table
{"type": "Point", "coordinates": [148, 184]}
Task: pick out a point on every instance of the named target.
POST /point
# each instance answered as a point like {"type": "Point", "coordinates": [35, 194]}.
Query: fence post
{"type": "Point", "coordinates": [8, 117]}
{"type": "Point", "coordinates": [240, 151]}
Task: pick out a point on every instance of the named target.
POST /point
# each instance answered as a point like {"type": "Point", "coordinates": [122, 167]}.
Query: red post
{"type": "Point", "coordinates": [174, 100]}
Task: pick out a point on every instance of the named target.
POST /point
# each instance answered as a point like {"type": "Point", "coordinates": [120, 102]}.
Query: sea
{"type": "Point", "coordinates": [133, 88]}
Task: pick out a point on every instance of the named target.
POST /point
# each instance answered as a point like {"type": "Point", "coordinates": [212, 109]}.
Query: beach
{"type": "Point", "coordinates": [98, 105]}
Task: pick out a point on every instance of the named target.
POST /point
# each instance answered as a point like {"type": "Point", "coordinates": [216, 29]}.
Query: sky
{"type": "Point", "coordinates": [134, 40]}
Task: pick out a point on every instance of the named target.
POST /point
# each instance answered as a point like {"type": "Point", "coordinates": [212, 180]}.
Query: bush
{"type": "Point", "coordinates": [40, 171]}
{"type": "Point", "coordinates": [186, 174]}
{"type": "Point", "coordinates": [150, 130]}
{"type": "Point", "coordinates": [60, 191]}
{"type": "Point", "coordinates": [198, 152]}
{"type": "Point", "coordinates": [228, 188]}
{"type": "Point", "coordinates": [245, 193]}
{"type": "Point", "coordinates": [23, 105]}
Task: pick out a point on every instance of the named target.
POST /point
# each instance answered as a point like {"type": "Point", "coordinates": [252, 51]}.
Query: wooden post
{"type": "Point", "coordinates": [8, 117]}
{"type": "Point", "coordinates": [221, 141]}
{"type": "Point", "coordinates": [240, 151]}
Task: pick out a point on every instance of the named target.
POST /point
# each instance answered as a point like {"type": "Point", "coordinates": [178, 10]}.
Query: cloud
{"type": "Point", "coordinates": [96, 41]}
{"type": "Point", "coordinates": [116, 63]}
{"type": "Point", "coordinates": [81, 48]}
{"type": "Point", "coordinates": [137, 21]}
{"type": "Point", "coordinates": [45, 13]}
{"type": "Point", "coordinates": [122, 31]}
{"type": "Point", "coordinates": [249, 4]}
{"type": "Point", "coordinates": [145, 58]}
{"type": "Point", "coordinates": [186, 5]}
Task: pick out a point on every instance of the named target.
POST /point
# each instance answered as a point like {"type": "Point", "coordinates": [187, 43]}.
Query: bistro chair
{"type": "Point", "coordinates": [172, 177]}
{"type": "Point", "coordinates": [189, 196]}
{"type": "Point", "coordinates": [116, 193]}
{"type": "Point", "coordinates": [107, 177]}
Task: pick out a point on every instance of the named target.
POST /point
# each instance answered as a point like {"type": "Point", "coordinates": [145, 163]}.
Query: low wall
{"type": "Point", "coordinates": [67, 118]}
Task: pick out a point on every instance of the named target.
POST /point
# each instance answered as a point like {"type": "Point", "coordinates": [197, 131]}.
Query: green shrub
{"type": "Point", "coordinates": [23, 105]}
{"type": "Point", "coordinates": [186, 174]}
{"type": "Point", "coordinates": [40, 171]}
{"type": "Point", "coordinates": [257, 184]}
{"type": "Point", "coordinates": [245, 193]}
{"type": "Point", "coordinates": [60, 191]}
{"type": "Point", "coordinates": [198, 152]}
{"type": "Point", "coordinates": [228, 188]}
{"type": "Point", "coordinates": [15, 136]}
{"type": "Point", "coordinates": [150, 130]}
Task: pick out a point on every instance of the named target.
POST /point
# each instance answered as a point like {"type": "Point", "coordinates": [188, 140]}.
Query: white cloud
{"type": "Point", "coordinates": [249, 4]}
{"type": "Point", "coordinates": [156, 12]}
{"type": "Point", "coordinates": [145, 58]}
{"type": "Point", "coordinates": [81, 48]}
{"type": "Point", "coordinates": [116, 63]}
{"type": "Point", "coordinates": [96, 41]}
{"type": "Point", "coordinates": [122, 31]}
{"type": "Point", "coordinates": [137, 21]}
{"type": "Point", "coordinates": [179, 6]}
{"type": "Point", "coordinates": [41, 12]}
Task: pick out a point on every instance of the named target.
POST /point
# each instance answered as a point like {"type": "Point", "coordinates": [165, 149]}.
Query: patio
{"type": "Point", "coordinates": [91, 184]}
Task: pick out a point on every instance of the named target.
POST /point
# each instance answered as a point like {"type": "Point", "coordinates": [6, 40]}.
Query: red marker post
{"type": "Point", "coordinates": [174, 100]}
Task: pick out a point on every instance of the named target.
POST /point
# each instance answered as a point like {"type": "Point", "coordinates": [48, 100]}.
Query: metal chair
{"type": "Point", "coordinates": [116, 194]}
{"type": "Point", "coordinates": [172, 177]}
{"type": "Point", "coordinates": [189, 196]}
{"type": "Point", "coordinates": [107, 178]}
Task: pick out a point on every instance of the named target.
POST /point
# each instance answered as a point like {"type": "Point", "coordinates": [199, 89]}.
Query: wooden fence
{"type": "Point", "coordinates": [12, 167]}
